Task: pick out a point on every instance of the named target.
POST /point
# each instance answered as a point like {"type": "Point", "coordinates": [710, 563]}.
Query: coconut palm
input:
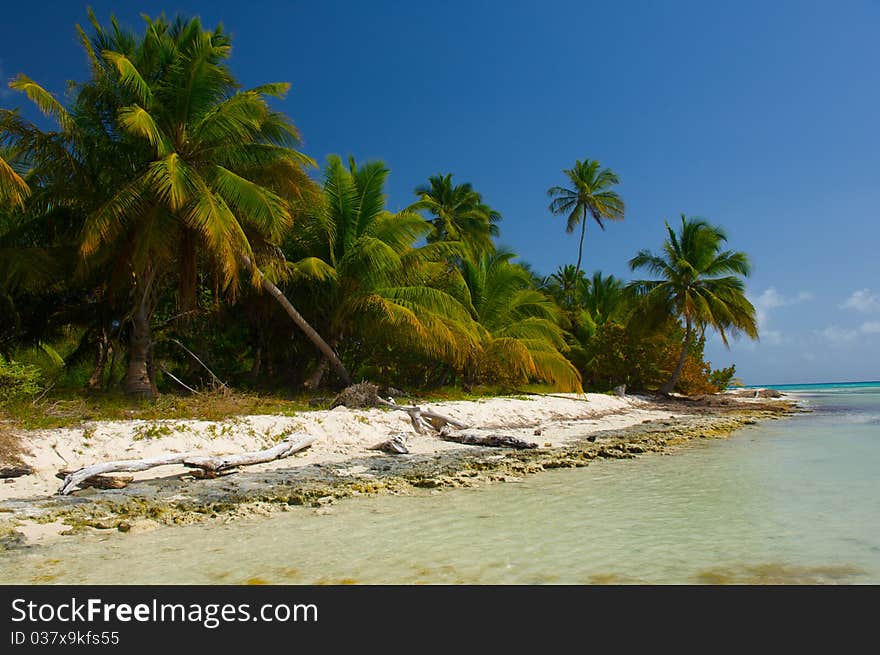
{"type": "Point", "coordinates": [602, 298]}
{"type": "Point", "coordinates": [695, 282]}
{"type": "Point", "coordinates": [207, 167]}
{"type": "Point", "coordinates": [459, 214]}
{"type": "Point", "coordinates": [564, 285]}
{"type": "Point", "coordinates": [372, 279]}
{"type": "Point", "coordinates": [522, 338]}
{"type": "Point", "coordinates": [13, 188]}
{"type": "Point", "coordinates": [590, 194]}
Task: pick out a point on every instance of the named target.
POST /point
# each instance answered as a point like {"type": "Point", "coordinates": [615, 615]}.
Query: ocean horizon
{"type": "Point", "coordinates": [813, 386]}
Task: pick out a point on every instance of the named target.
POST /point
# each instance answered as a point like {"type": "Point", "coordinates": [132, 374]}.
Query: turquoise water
{"type": "Point", "coordinates": [788, 501]}
{"type": "Point", "coordinates": [832, 387]}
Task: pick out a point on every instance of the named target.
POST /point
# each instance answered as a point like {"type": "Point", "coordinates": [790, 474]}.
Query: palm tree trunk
{"type": "Point", "coordinates": [314, 380]}
{"type": "Point", "coordinates": [676, 374]}
{"type": "Point", "coordinates": [302, 324]}
{"type": "Point", "coordinates": [187, 288]}
{"type": "Point", "coordinates": [97, 376]}
{"type": "Point", "coordinates": [137, 376]}
{"type": "Point", "coordinates": [577, 271]}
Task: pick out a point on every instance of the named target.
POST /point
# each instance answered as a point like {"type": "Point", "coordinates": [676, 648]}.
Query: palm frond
{"type": "Point", "coordinates": [137, 121]}
{"type": "Point", "coordinates": [129, 76]}
{"type": "Point", "coordinates": [13, 189]}
{"type": "Point", "coordinates": [44, 100]}
{"type": "Point", "coordinates": [254, 203]}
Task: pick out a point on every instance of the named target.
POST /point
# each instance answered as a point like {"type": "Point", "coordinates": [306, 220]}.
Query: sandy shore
{"type": "Point", "coordinates": [340, 462]}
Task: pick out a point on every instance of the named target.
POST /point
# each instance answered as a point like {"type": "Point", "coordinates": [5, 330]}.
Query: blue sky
{"type": "Point", "coordinates": [762, 117]}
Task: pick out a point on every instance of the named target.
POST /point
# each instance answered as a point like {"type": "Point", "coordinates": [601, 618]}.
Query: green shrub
{"type": "Point", "coordinates": [723, 377]}
{"type": "Point", "coordinates": [18, 380]}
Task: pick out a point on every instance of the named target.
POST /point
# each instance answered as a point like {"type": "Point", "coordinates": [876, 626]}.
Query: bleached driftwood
{"type": "Point", "coordinates": [423, 419]}
{"type": "Point", "coordinates": [81, 475]}
{"type": "Point", "coordinates": [210, 466]}
{"type": "Point", "coordinates": [366, 394]}
{"type": "Point", "coordinates": [216, 465]}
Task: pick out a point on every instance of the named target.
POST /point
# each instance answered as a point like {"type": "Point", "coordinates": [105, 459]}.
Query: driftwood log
{"type": "Point", "coordinates": [423, 420]}
{"type": "Point", "coordinates": [79, 476]}
{"type": "Point", "coordinates": [100, 481]}
{"type": "Point", "coordinates": [396, 445]}
{"type": "Point", "coordinates": [15, 471]}
{"type": "Point", "coordinates": [492, 440]}
{"type": "Point", "coordinates": [210, 466]}
{"type": "Point", "coordinates": [366, 394]}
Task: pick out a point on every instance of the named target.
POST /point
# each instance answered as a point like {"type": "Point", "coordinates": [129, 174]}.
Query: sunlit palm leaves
{"type": "Point", "coordinates": [374, 280]}
{"type": "Point", "coordinates": [522, 337]}
{"type": "Point", "coordinates": [459, 214]}
{"type": "Point", "coordinates": [697, 282]}
{"type": "Point", "coordinates": [169, 162]}
{"type": "Point", "coordinates": [602, 298]}
{"type": "Point", "coordinates": [590, 195]}
{"type": "Point", "coordinates": [206, 138]}
{"type": "Point", "coordinates": [13, 189]}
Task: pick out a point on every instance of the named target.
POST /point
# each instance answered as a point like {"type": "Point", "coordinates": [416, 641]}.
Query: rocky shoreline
{"type": "Point", "coordinates": [182, 500]}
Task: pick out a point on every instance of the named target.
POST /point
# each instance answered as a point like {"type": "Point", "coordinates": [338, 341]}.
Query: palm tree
{"type": "Point", "coordinates": [372, 279]}
{"type": "Point", "coordinates": [522, 337]}
{"type": "Point", "coordinates": [563, 285]}
{"type": "Point", "coordinates": [207, 168]}
{"type": "Point", "coordinates": [459, 214]}
{"type": "Point", "coordinates": [602, 298]}
{"type": "Point", "coordinates": [590, 194]}
{"type": "Point", "coordinates": [696, 282]}
{"type": "Point", "coordinates": [13, 188]}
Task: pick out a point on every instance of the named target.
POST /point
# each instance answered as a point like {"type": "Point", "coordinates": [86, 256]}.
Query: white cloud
{"type": "Point", "coordinates": [771, 336]}
{"type": "Point", "coordinates": [769, 300]}
{"type": "Point", "coordinates": [863, 301]}
{"type": "Point", "coordinates": [838, 335]}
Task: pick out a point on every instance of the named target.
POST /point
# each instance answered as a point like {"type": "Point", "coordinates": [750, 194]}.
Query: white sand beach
{"type": "Point", "coordinates": [341, 434]}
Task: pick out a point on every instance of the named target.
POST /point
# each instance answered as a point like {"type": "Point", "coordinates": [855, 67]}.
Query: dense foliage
{"type": "Point", "coordinates": [168, 234]}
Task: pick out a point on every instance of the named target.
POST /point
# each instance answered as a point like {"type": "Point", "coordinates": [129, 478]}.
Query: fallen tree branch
{"type": "Point", "coordinates": [395, 445]}
{"type": "Point", "coordinates": [81, 475]}
{"type": "Point", "coordinates": [101, 481]}
{"type": "Point", "coordinates": [423, 418]}
{"type": "Point", "coordinates": [15, 471]}
{"type": "Point", "coordinates": [210, 466]}
{"type": "Point", "coordinates": [195, 357]}
{"type": "Point", "coordinates": [216, 465]}
{"type": "Point", "coordinates": [179, 381]}
{"type": "Point", "coordinates": [492, 440]}
{"type": "Point", "coordinates": [366, 394]}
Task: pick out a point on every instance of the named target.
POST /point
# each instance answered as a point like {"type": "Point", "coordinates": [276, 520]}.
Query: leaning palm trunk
{"type": "Point", "coordinates": [676, 374]}
{"type": "Point", "coordinates": [301, 323]}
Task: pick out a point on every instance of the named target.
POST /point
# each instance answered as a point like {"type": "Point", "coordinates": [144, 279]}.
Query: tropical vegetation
{"type": "Point", "coordinates": [168, 234]}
